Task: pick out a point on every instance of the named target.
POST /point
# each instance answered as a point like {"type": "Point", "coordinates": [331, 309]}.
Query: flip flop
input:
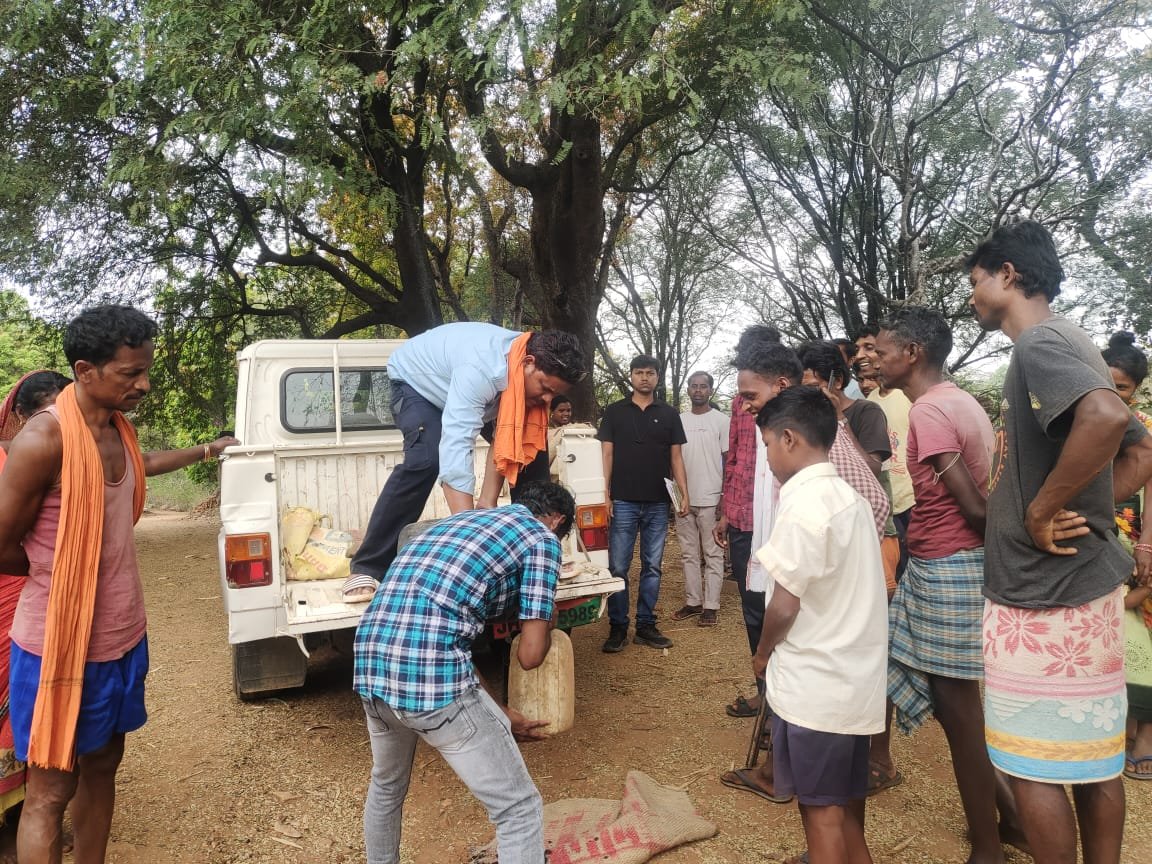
{"type": "Point", "coordinates": [802, 858]}
{"type": "Point", "coordinates": [358, 582]}
{"type": "Point", "coordinates": [738, 779]}
{"type": "Point", "coordinates": [1136, 762]}
{"type": "Point", "coordinates": [740, 707]}
{"type": "Point", "coordinates": [878, 781]}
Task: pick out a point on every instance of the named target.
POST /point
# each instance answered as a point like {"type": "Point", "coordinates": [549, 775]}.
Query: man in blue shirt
{"type": "Point", "coordinates": [414, 670]}
{"type": "Point", "coordinates": [446, 384]}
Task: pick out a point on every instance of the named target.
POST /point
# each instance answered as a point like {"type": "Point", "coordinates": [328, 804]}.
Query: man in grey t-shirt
{"type": "Point", "coordinates": [706, 434]}
{"type": "Point", "coordinates": [1053, 638]}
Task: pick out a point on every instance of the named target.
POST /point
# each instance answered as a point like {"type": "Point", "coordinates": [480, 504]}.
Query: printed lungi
{"type": "Point", "coordinates": [1054, 700]}
{"type": "Point", "coordinates": [934, 624]}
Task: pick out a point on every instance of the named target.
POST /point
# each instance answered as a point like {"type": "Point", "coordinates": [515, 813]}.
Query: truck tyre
{"type": "Point", "coordinates": [265, 666]}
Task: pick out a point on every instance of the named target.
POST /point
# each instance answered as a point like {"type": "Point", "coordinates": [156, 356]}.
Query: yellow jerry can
{"type": "Point", "coordinates": [547, 692]}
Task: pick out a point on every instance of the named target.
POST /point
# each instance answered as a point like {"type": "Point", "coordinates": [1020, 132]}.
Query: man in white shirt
{"type": "Point", "coordinates": [707, 433]}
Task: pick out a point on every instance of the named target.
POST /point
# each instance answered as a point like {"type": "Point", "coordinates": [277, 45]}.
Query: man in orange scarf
{"type": "Point", "coordinates": [69, 496]}
{"type": "Point", "coordinates": [447, 383]}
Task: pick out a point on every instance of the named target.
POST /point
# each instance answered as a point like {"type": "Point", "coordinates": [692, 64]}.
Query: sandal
{"type": "Point", "coordinates": [359, 588]}
{"type": "Point", "coordinates": [878, 781]}
{"type": "Point", "coordinates": [1133, 763]}
{"type": "Point", "coordinates": [738, 779]}
{"type": "Point", "coordinates": [741, 707]}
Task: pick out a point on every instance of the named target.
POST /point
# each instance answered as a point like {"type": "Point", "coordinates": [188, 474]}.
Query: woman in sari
{"type": "Point", "coordinates": [1129, 367]}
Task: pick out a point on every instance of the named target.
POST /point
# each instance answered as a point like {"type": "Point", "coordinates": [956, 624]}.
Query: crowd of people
{"type": "Point", "coordinates": [896, 558]}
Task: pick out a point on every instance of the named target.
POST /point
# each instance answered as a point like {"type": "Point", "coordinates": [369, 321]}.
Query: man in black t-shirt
{"type": "Point", "coordinates": [640, 439]}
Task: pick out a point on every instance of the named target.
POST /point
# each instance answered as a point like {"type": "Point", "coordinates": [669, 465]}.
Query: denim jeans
{"type": "Point", "coordinates": [408, 486]}
{"type": "Point", "coordinates": [649, 519]}
{"type": "Point", "coordinates": [475, 739]}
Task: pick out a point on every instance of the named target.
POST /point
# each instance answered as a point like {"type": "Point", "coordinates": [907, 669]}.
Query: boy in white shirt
{"type": "Point", "coordinates": [824, 643]}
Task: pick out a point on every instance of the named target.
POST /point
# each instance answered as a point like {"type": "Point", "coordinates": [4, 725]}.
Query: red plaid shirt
{"type": "Point", "coordinates": [740, 467]}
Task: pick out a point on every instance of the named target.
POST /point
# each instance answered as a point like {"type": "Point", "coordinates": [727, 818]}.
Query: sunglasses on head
{"type": "Point", "coordinates": [575, 376]}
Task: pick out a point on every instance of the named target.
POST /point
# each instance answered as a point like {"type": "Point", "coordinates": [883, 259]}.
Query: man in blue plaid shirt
{"type": "Point", "coordinates": [414, 670]}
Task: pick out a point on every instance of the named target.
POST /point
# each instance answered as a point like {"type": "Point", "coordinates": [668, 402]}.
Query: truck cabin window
{"type": "Point", "coordinates": [308, 399]}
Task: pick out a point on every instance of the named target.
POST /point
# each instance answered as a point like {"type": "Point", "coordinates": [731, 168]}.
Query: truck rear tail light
{"type": "Point", "coordinates": [592, 522]}
{"type": "Point", "coordinates": [248, 560]}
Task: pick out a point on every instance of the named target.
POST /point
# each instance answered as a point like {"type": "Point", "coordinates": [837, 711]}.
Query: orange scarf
{"type": "Point", "coordinates": [521, 432]}
{"type": "Point", "coordinates": [75, 566]}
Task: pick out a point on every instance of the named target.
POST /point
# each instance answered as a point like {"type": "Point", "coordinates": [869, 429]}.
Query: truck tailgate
{"type": "Point", "coordinates": [312, 606]}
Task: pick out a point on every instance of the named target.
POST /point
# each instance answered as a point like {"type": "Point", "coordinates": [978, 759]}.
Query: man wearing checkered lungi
{"type": "Point", "coordinates": [935, 652]}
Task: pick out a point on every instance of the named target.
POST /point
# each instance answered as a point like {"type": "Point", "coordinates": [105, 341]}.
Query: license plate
{"type": "Point", "coordinates": [586, 613]}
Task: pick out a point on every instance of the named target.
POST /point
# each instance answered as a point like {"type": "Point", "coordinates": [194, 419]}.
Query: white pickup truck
{"type": "Point", "coordinates": [299, 451]}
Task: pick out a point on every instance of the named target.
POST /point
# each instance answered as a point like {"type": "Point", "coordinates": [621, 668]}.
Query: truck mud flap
{"type": "Point", "coordinates": [267, 665]}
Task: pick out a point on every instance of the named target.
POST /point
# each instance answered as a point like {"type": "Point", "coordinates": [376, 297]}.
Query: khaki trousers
{"type": "Point", "coordinates": [703, 558]}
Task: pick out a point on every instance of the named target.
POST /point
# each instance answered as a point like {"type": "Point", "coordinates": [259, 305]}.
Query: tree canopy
{"type": "Point", "coordinates": [337, 167]}
{"type": "Point", "coordinates": [261, 168]}
{"type": "Point", "coordinates": [925, 126]}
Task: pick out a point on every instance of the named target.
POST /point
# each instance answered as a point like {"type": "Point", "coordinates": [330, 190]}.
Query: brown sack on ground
{"type": "Point", "coordinates": [649, 820]}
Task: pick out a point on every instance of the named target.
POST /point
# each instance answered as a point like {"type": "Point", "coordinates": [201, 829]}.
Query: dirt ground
{"type": "Point", "coordinates": [211, 780]}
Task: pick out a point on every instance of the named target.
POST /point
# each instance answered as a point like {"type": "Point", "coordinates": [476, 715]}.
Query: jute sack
{"type": "Point", "coordinates": [649, 820]}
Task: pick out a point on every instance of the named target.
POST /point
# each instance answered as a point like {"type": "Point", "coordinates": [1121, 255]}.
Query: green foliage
{"type": "Point", "coordinates": [178, 490]}
{"type": "Point", "coordinates": [328, 169]}
{"type": "Point", "coordinates": [987, 386]}
{"type": "Point", "coordinates": [26, 342]}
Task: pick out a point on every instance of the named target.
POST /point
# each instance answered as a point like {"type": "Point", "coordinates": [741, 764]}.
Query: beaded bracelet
{"type": "Point", "coordinates": [1143, 547]}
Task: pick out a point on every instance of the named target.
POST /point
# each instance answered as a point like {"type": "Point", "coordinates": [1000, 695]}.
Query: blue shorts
{"type": "Point", "coordinates": [111, 702]}
{"type": "Point", "coordinates": [822, 769]}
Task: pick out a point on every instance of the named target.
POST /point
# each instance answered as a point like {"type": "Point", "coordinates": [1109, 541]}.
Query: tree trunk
{"type": "Point", "coordinates": [567, 234]}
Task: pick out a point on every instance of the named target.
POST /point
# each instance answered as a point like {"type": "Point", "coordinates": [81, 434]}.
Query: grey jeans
{"type": "Point", "coordinates": [475, 739]}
